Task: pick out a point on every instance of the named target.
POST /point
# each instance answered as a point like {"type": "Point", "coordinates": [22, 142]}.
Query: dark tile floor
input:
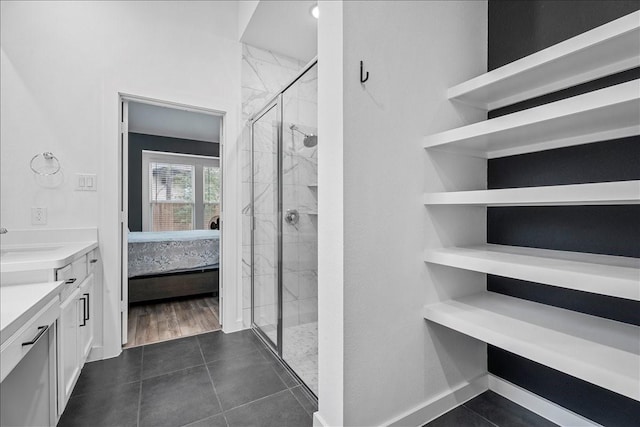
{"type": "Point", "coordinates": [490, 410]}
{"type": "Point", "coordinates": [212, 380]}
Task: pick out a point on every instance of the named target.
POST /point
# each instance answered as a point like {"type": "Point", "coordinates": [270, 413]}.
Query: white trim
{"type": "Point", "coordinates": [171, 104]}
{"type": "Point", "coordinates": [123, 219]}
{"type": "Point", "coordinates": [441, 404]}
{"type": "Point", "coordinates": [543, 407]}
{"type": "Point", "coordinates": [113, 91]}
{"type": "Point", "coordinates": [168, 153]}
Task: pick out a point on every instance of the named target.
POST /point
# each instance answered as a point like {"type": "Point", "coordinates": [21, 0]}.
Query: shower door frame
{"type": "Point", "coordinates": [274, 102]}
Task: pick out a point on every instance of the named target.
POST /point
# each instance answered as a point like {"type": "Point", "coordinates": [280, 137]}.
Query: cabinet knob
{"type": "Point", "coordinates": [68, 282]}
{"type": "Point", "coordinates": [93, 261]}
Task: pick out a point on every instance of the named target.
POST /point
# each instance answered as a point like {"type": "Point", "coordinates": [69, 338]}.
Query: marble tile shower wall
{"type": "Point", "coordinates": [300, 177]}
{"type": "Point", "coordinates": [264, 74]}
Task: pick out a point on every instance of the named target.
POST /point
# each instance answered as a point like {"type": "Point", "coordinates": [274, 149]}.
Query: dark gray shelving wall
{"type": "Point", "coordinates": [518, 29]}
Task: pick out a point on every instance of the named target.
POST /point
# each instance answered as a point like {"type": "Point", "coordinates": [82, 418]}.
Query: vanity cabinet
{"type": "Point", "coordinates": [68, 354]}
{"type": "Point", "coordinates": [28, 364]}
{"type": "Point", "coordinates": [85, 326]}
{"type": "Point", "coordinates": [75, 325]}
{"type": "Point", "coordinates": [58, 273]}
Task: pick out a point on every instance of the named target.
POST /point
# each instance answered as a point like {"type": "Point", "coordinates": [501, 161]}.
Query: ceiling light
{"type": "Point", "coordinates": [314, 11]}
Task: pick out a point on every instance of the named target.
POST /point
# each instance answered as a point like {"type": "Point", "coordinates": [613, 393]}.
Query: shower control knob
{"type": "Point", "coordinates": [292, 216]}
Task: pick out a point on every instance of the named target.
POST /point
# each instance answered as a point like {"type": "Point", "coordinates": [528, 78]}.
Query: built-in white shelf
{"type": "Point", "coordinates": [605, 50]}
{"type": "Point", "coordinates": [601, 274]}
{"type": "Point", "coordinates": [601, 193]}
{"type": "Point", "coordinates": [603, 352]}
{"type": "Point", "coordinates": [609, 113]}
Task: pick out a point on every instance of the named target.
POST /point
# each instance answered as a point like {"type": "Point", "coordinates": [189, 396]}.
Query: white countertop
{"type": "Point", "coordinates": [19, 303]}
{"type": "Point", "coordinates": [39, 256]}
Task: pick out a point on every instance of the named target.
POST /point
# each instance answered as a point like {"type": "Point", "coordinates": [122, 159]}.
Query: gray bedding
{"type": "Point", "coordinates": [172, 251]}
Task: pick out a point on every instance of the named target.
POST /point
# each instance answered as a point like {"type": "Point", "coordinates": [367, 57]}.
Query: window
{"type": "Point", "coordinates": [180, 192]}
{"type": "Point", "coordinates": [211, 177]}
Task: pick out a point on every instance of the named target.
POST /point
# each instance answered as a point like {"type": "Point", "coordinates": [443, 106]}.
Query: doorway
{"type": "Point", "coordinates": [171, 227]}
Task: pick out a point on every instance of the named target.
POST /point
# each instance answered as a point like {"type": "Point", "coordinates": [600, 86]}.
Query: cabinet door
{"type": "Point", "coordinates": [68, 354]}
{"type": "Point", "coordinates": [85, 327]}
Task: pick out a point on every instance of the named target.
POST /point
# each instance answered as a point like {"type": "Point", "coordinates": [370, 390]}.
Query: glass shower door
{"type": "Point", "coordinates": [284, 238]}
{"type": "Point", "coordinates": [300, 228]}
{"type": "Point", "coordinates": [265, 309]}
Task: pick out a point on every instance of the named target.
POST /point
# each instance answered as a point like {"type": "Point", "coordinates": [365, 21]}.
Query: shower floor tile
{"type": "Point", "coordinates": [301, 352]}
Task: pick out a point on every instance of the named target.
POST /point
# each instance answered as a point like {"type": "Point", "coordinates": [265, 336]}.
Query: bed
{"type": "Point", "coordinates": [172, 264]}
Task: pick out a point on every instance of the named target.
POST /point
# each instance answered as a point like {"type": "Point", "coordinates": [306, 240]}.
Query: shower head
{"type": "Point", "coordinates": [309, 140]}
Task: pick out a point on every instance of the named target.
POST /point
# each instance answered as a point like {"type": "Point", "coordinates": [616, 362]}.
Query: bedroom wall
{"type": "Point", "coordinates": [139, 142]}
{"type": "Point", "coordinates": [62, 66]}
{"type": "Point", "coordinates": [517, 29]}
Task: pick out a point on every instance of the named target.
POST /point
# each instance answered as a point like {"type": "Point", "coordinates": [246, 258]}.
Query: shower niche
{"type": "Point", "coordinates": [284, 230]}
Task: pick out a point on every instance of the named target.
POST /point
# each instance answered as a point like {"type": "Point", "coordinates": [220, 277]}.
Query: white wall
{"type": "Point", "coordinates": [246, 9]}
{"type": "Point", "coordinates": [63, 64]}
{"type": "Point", "coordinates": [394, 362]}
{"type": "Point", "coordinates": [330, 215]}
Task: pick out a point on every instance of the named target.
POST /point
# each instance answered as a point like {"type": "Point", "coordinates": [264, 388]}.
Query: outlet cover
{"type": "Point", "coordinates": [38, 216]}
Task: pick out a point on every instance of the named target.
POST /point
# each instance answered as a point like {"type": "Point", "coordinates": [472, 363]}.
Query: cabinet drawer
{"type": "Point", "coordinates": [13, 350]}
{"type": "Point", "coordinates": [74, 274]}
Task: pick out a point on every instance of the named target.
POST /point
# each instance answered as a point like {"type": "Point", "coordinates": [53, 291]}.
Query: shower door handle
{"type": "Point", "coordinates": [292, 216]}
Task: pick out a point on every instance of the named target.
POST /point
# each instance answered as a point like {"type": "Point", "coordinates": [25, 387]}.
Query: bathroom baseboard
{"type": "Point", "coordinates": [441, 404]}
{"type": "Point", "coordinates": [447, 401]}
{"type": "Point", "coordinates": [543, 407]}
{"type": "Point", "coordinates": [318, 421]}
{"type": "Point", "coordinates": [96, 353]}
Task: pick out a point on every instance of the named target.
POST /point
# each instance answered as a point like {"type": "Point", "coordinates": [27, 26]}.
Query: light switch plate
{"type": "Point", "coordinates": [86, 182]}
{"type": "Point", "coordinates": [38, 216]}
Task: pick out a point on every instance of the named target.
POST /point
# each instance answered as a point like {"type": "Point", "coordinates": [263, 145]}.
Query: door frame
{"type": "Point", "coordinates": [123, 182]}
{"type": "Point", "coordinates": [275, 103]}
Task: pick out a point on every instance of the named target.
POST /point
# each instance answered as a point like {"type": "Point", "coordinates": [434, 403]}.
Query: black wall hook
{"type": "Point", "coordinates": [363, 76]}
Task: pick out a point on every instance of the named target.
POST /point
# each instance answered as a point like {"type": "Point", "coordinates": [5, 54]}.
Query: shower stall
{"type": "Point", "coordinates": [284, 229]}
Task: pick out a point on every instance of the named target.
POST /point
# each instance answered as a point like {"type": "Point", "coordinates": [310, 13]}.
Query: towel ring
{"type": "Point", "coordinates": [46, 156]}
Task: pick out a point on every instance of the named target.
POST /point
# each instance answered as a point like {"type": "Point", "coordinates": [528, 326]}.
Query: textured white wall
{"type": "Point", "coordinates": [62, 66]}
{"type": "Point", "coordinates": [394, 362]}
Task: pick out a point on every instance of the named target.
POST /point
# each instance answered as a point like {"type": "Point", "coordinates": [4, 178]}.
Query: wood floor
{"type": "Point", "coordinates": [165, 320]}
